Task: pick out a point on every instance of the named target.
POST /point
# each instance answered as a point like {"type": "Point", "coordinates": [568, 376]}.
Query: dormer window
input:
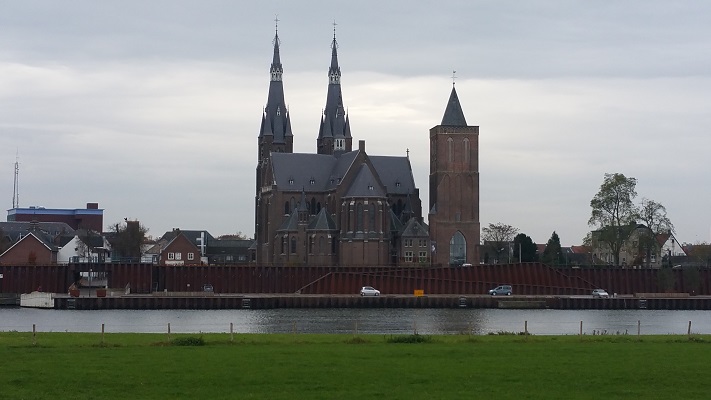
{"type": "Point", "coordinates": [291, 181]}
{"type": "Point", "coordinates": [278, 110]}
{"type": "Point", "coordinates": [371, 188]}
{"type": "Point", "coordinates": [312, 181]}
{"type": "Point", "coordinates": [397, 184]}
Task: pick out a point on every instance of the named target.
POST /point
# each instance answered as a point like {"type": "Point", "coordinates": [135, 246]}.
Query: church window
{"type": "Point", "coordinates": [278, 110]}
{"type": "Point", "coordinates": [450, 149]}
{"type": "Point", "coordinates": [293, 245]}
{"type": "Point", "coordinates": [320, 245]}
{"type": "Point", "coordinates": [283, 245]}
{"type": "Point", "coordinates": [311, 244]}
{"type": "Point", "coordinates": [359, 217]}
{"type": "Point", "coordinates": [457, 249]}
{"type": "Point", "coordinates": [312, 207]}
{"type": "Point", "coordinates": [339, 144]}
{"type": "Point", "coordinates": [466, 150]}
{"type": "Point", "coordinates": [371, 219]}
{"type": "Point", "coordinates": [287, 209]}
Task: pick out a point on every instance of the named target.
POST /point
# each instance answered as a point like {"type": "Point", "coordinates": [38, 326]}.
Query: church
{"type": "Point", "coordinates": [342, 206]}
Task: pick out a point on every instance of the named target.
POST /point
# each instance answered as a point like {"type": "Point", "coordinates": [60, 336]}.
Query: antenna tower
{"type": "Point", "coordinates": [16, 186]}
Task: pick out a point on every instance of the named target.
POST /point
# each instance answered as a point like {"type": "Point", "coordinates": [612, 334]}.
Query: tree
{"type": "Point", "coordinates": [553, 254]}
{"type": "Point", "coordinates": [497, 237]}
{"type": "Point", "coordinates": [127, 239]}
{"type": "Point", "coordinates": [654, 216]}
{"type": "Point", "coordinates": [613, 210]}
{"type": "Point", "coordinates": [524, 248]}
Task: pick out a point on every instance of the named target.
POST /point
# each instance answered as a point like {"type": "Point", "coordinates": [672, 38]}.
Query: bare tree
{"type": "Point", "coordinates": [497, 237]}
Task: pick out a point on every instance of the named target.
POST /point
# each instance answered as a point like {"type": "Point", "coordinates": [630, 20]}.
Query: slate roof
{"type": "Point", "coordinates": [414, 229]}
{"type": "Point", "coordinates": [295, 171]}
{"type": "Point", "coordinates": [191, 235]}
{"type": "Point", "coordinates": [335, 122]}
{"type": "Point", "coordinates": [276, 121]}
{"type": "Point", "coordinates": [365, 184]}
{"type": "Point", "coordinates": [322, 222]}
{"type": "Point", "coordinates": [13, 229]}
{"type": "Point", "coordinates": [453, 114]}
{"type": "Point", "coordinates": [291, 224]}
{"type": "Point", "coordinates": [394, 170]}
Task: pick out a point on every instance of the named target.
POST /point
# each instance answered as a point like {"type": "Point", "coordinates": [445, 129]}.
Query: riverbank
{"type": "Point", "coordinates": [295, 366]}
{"type": "Point", "coordinates": [211, 301]}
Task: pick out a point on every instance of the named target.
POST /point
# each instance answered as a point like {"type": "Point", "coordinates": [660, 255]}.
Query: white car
{"type": "Point", "coordinates": [369, 291]}
{"type": "Point", "coordinates": [600, 293]}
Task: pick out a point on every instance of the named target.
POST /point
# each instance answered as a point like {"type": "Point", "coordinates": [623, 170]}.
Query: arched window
{"type": "Point", "coordinates": [457, 249]}
{"type": "Point", "coordinates": [320, 245]}
{"type": "Point", "coordinates": [371, 218]}
{"type": "Point", "coordinates": [287, 208]}
{"type": "Point", "coordinates": [466, 152]}
{"type": "Point", "coordinates": [359, 217]}
{"type": "Point", "coordinates": [283, 245]}
{"type": "Point", "coordinates": [450, 149]}
{"type": "Point", "coordinates": [293, 245]}
{"type": "Point", "coordinates": [313, 206]}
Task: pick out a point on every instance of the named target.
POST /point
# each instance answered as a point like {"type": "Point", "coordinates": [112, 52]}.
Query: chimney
{"type": "Point", "coordinates": [361, 145]}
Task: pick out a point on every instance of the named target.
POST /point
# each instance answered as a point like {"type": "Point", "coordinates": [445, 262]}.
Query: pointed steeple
{"type": "Point", "coordinates": [334, 133]}
{"type": "Point", "coordinates": [276, 114]}
{"type": "Point", "coordinates": [453, 114]}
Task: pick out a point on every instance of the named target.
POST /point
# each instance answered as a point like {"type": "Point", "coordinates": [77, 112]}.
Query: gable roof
{"type": "Point", "coordinates": [365, 184]}
{"type": "Point", "coordinates": [414, 229]}
{"type": "Point", "coordinates": [38, 236]}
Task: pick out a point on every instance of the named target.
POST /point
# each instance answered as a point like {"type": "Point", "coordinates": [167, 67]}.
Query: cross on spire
{"type": "Point", "coordinates": [334, 29]}
{"type": "Point", "coordinates": [454, 76]}
{"type": "Point", "coordinates": [276, 22]}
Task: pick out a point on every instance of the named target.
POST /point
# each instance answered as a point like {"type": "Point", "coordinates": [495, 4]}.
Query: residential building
{"type": "Point", "coordinates": [91, 217]}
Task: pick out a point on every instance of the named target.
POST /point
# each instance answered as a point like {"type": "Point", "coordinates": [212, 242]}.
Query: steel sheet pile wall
{"type": "Point", "coordinates": [28, 278]}
{"type": "Point", "coordinates": [629, 281]}
{"type": "Point", "coordinates": [137, 276]}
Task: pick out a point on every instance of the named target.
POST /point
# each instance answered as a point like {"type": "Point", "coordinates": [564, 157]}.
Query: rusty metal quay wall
{"type": "Point", "coordinates": [526, 279]}
{"type": "Point", "coordinates": [216, 302]}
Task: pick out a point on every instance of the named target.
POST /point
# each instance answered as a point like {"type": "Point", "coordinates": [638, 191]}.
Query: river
{"type": "Point", "coordinates": [364, 321]}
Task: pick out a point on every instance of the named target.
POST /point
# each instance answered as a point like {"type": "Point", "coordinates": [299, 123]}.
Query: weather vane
{"type": "Point", "coordinates": [454, 76]}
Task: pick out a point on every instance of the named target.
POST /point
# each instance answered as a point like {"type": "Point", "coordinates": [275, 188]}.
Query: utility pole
{"type": "Point", "coordinates": [16, 186]}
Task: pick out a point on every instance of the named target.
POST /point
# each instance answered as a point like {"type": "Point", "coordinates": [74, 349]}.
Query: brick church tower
{"type": "Point", "coordinates": [454, 188]}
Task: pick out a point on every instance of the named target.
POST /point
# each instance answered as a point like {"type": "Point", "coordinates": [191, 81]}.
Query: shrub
{"type": "Point", "coordinates": [188, 341]}
{"type": "Point", "coordinates": [410, 339]}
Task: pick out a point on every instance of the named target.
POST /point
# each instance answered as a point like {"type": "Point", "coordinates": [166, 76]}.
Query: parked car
{"type": "Point", "coordinates": [600, 293]}
{"type": "Point", "coordinates": [502, 289]}
{"type": "Point", "coordinates": [208, 288]}
{"type": "Point", "coordinates": [369, 291]}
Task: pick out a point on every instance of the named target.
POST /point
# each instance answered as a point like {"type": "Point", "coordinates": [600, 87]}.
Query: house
{"type": "Point", "coordinates": [83, 246]}
{"type": "Point", "coordinates": [179, 247]}
{"type": "Point", "coordinates": [34, 248]}
{"type": "Point", "coordinates": [229, 251]}
{"type": "Point", "coordinates": [640, 248]}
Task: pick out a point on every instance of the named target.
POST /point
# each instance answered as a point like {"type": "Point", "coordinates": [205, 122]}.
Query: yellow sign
{"type": "Point", "coordinates": [419, 292]}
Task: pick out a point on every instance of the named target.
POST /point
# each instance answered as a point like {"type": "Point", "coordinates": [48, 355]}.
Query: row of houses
{"type": "Point", "coordinates": [50, 243]}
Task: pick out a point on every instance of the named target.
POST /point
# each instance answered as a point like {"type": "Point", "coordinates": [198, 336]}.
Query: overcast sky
{"type": "Point", "coordinates": [152, 108]}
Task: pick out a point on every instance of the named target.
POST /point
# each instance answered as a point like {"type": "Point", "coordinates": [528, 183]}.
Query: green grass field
{"type": "Point", "coordinates": [299, 366]}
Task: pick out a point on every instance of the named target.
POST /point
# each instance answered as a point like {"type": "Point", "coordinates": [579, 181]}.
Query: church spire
{"type": "Point", "coordinates": [453, 114]}
{"type": "Point", "coordinates": [334, 133]}
{"type": "Point", "coordinates": [275, 119]}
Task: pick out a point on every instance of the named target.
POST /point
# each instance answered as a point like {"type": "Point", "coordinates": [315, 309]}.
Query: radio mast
{"type": "Point", "coordinates": [16, 187]}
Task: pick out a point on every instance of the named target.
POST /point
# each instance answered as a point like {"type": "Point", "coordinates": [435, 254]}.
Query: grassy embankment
{"type": "Point", "coordinates": [300, 366]}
